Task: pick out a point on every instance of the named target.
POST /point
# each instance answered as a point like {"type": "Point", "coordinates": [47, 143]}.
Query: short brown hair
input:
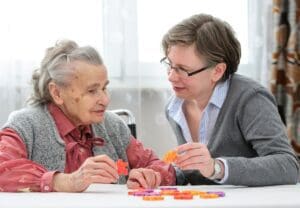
{"type": "Point", "coordinates": [214, 39]}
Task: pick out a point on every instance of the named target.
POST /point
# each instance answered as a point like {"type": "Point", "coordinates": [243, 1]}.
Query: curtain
{"type": "Point", "coordinates": [285, 80]}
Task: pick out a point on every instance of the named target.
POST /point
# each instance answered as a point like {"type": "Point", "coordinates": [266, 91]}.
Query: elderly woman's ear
{"type": "Point", "coordinates": [55, 93]}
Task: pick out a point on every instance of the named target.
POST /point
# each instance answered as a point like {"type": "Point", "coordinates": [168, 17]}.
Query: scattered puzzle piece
{"type": "Point", "coordinates": [136, 192]}
{"type": "Point", "coordinates": [169, 192]}
{"type": "Point", "coordinates": [183, 196]}
{"type": "Point", "coordinates": [170, 156]}
{"type": "Point", "coordinates": [192, 192]}
{"type": "Point", "coordinates": [122, 167]}
{"type": "Point", "coordinates": [153, 198]}
{"type": "Point", "coordinates": [144, 192]}
{"type": "Point", "coordinates": [209, 196]}
{"type": "Point", "coordinates": [219, 193]}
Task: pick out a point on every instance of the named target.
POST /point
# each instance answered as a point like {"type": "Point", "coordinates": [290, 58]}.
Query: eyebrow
{"type": "Point", "coordinates": [98, 84]}
{"type": "Point", "coordinates": [180, 65]}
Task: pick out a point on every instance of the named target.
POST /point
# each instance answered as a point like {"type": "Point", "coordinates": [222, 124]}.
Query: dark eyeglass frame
{"type": "Point", "coordinates": [164, 61]}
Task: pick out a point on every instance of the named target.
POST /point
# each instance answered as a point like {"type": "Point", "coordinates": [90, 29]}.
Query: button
{"type": "Point", "coordinates": [46, 188]}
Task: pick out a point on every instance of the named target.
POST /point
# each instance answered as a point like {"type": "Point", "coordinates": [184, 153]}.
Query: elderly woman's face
{"type": "Point", "coordinates": [86, 98]}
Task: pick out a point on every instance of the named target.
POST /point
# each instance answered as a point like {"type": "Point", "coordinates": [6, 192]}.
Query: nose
{"type": "Point", "coordinates": [103, 98]}
{"type": "Point", "coordinates": [172, 75]}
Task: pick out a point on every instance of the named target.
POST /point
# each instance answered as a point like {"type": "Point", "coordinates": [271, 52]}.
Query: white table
{"type": "Point", "coordinates": [116, 196]}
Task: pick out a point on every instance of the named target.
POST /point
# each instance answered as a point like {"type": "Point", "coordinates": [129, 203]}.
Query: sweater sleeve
{"type": "Point", "coordinates": [17, 173]}
{"type": "Point", "coordinates": [140, 157]}
{"type": "Point", "coordinates": [263, 130]}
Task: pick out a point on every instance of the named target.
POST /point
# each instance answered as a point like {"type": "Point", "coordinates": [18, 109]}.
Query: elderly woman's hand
{"type": "Point", "coordinates": [195, 156]}
{"type": "Point", "coordinates": [98, 169]}
{"type": "Point", "coordinates": [143, 178]}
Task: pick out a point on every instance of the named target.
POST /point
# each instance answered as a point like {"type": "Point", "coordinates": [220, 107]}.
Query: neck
{"type": "Point", "coordinates": [76, 123]}
{"type": "Point", "coordinates": [202, 100]}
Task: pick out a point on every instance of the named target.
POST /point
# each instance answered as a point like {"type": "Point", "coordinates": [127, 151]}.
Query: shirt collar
{"type": "Point", "coordinates": [218, 97]}
{"type": "Point", "coordinates": [174, 105]}
{"type": "Point", "coordinates": [63, 123]}
{"type": "Point", "coordinates": [219, 94]}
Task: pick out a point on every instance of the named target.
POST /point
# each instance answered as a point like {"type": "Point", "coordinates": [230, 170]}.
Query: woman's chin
{"type": "Point", "coordinates": [180, 95]}
{"type": "Point", "coordinates": [96, 119]}
{"type": "Point", "coordinates": [99, 119]}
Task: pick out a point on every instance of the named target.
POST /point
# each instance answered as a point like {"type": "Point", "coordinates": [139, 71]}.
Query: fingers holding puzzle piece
{"type": "Point", "coordinates": [170, 156]}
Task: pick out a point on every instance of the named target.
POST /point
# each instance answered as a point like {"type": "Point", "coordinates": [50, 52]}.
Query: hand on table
{"type": "Point", "coordinates": [143, 178]}
{"type": "Point", "coordinates": [97, 169]}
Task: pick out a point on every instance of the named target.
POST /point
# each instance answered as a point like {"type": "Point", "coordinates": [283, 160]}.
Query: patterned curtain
{"type": "Point", "coordinates": [285, 80]}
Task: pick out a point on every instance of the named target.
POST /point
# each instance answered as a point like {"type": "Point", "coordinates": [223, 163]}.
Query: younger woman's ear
{"type": "Point", "coordinates": [55, 93]}
{"type": "Point", "coordinates": [219, 71]}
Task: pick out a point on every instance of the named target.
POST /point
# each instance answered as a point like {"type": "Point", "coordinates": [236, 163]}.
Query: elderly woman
{"type": "Point", "coordinates": [66, 140]}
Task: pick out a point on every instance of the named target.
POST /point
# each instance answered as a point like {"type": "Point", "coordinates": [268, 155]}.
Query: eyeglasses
{"type": "Point", "coordinates": [180, 71]}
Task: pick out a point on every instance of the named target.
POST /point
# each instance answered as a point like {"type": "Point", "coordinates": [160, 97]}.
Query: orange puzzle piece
{"type": "Point", "coordinates": [153, 198]}
{"type": "Point", "coordinates": [170, 156]}
{"type": "Point", "coordinates": [209, 196]}
{"type": "Point", "coordinates": [122, 167]}
{"type": "Point", "coordinates": [184, 196]}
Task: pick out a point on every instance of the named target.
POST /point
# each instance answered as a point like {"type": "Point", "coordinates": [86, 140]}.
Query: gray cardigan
{"type": "Point", "coordinates": [44, 145]}
{"type": "Point", "coordinates": [250, 135]}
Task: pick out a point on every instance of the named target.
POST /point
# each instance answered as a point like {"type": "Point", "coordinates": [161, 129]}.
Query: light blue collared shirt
{"type": "Point", "coordinates": [208, 120]}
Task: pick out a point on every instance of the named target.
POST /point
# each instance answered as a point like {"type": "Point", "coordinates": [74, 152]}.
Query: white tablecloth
{"type": "Point", "coordinates": [116, 196]}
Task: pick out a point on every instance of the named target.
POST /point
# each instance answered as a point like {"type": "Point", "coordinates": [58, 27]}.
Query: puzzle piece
{"type": "Point", "coordinates": [219, 193]}
{"type": "Point", "coordinates": [169, 192]}
{"type": "Point", "coordinates": [193, 192]}
{"type": "Point", "coordinates": [170, 156]}
{"type": "Point", "coordinates": [209, 196]}
{"type": "Point", "coordinates": [153, 198]}
{"type": "Point", "coordinates": [183, 196]}
{"type": "Point", "coordinates": [122, 167]}
{"type": "Point", "coordinates": [134, 191]}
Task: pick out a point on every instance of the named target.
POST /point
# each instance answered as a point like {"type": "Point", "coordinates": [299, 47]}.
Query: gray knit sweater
{"type": "Point", "coordinates": [249, 134]}
{"type": "Point", "coordinates": [44, 145]}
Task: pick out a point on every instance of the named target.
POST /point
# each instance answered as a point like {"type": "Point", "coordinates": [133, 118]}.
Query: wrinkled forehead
{"type": "Point", "coordinates": [86, 74]}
